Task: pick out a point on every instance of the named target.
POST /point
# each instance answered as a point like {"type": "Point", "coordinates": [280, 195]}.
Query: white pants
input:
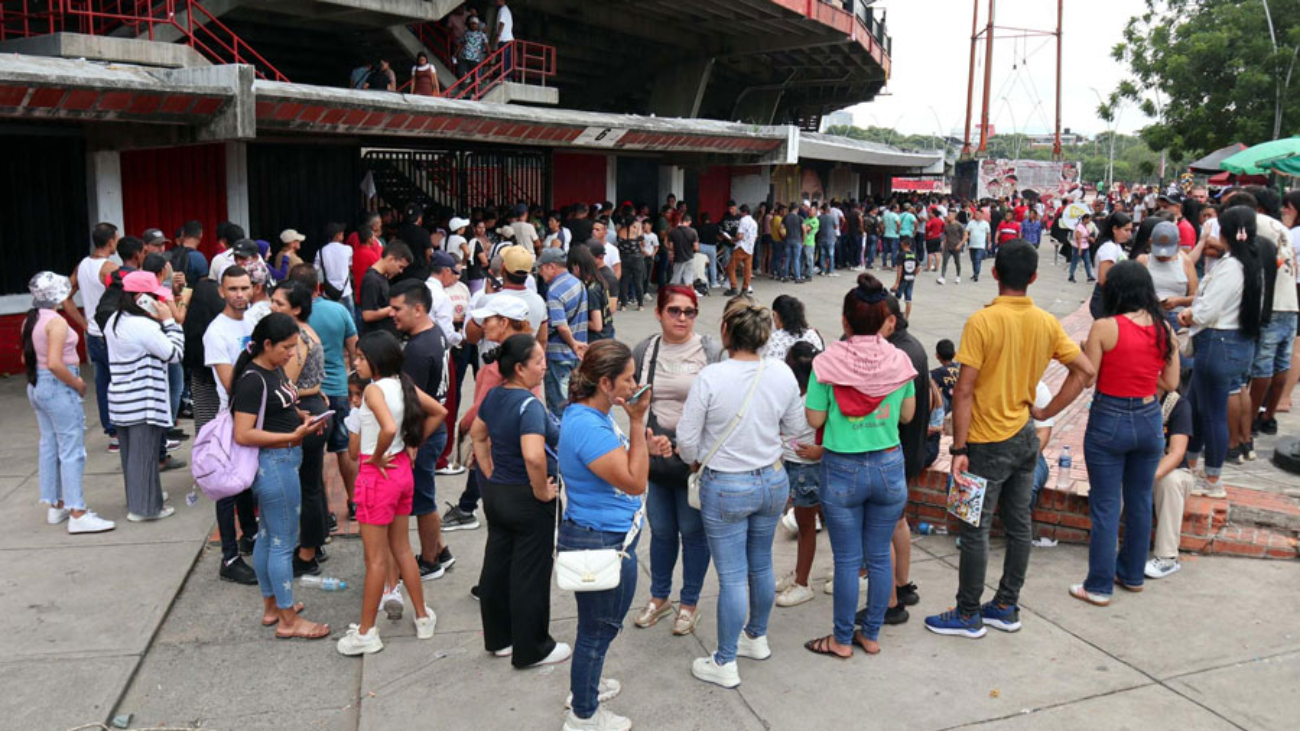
{"type": "Point", "coordinates": [1170, 496]}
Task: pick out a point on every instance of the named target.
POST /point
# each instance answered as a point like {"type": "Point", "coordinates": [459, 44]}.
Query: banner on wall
{"type": "Point", "coordinates": [997, 178]}
{"type": "Point", "coordinates": [922, 185]}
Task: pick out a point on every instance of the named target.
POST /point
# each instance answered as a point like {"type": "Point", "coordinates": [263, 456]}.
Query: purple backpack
{"type": "Point", "coordinates": [221, 467]}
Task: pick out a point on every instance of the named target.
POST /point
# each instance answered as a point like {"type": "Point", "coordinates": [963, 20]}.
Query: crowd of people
{"type": "Point", "coordinates": [363, 353]}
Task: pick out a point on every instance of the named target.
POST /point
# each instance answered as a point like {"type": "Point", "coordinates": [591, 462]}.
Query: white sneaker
{"type": "Point", "coordinates": [559, 654]}
{"type": "Point", "coordinates": [451, 470]}
{"type": "Point", "coordinates": [957, 280]}
{"type": "Point", "coordinates": [504, 652]}
{"type": "Point", "coordinates": [424, 626]}
{"type": "Point", "coordinates": [708, 670]}
{"type": "Point", "coordinates": [795, 595]}
{"type": "Point", "coordinates": [54, 515]}
{"type": "Point", "coordinates": [1205, 488]}
{"type": "Point", "coordinates": [830, 584]}
{"type": "Point", "coordinates": [606, 690]}
{"type": "Point", "coordinates": [939, 280]}
{"type": "Point", "coordinates": [790, 525]}
{"type": "Point", "coordinates": [393, 604]}
{"type": "Point", "coordinates": [754, 648]}
{"type": "Point", "coordinates": [1159, 568]}
{"type": "Point", "coordinates": [785, 582]}
{"type": "Point", "coordinates": [601, 720]}
{"type": "Point", "coordinates": [89, 523]}
{"type": "Point", "coordinates": [834, 274]}
{"type": "Point", "coordinates": [171, 445]}
{"type": "Point", "coordinates": [164, 513]}
{"type": "Point", "coordinates": [354, 643]}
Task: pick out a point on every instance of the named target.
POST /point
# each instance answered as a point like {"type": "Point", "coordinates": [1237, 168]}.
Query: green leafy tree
{"type": "Point", "coordinates": [1211, 72]}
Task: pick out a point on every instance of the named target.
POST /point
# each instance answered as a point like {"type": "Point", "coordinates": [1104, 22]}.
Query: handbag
{"type": "Point", "coordinates": [670, 470]}
{"type": "Point", "coordinates": [593, 569]}
{"type": "Point", "coordinates": [221, 466]}
{"type": "Point", "coordinates": [693, 482]}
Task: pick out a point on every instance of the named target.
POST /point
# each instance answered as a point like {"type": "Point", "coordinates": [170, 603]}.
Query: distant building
{"type": "Point", "coordinates": [842, 118]}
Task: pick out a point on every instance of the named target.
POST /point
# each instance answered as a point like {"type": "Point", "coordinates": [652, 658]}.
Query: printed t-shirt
{"type": "Point", "coordinates": [854, 435]}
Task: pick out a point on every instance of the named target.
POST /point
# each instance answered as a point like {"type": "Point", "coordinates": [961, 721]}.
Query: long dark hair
{"type": "Point", "coordinates": [126, 304]}
{"type": "Point", "coordinates": [29, 344]}
{"type": "Point", "coordinates": [1113, 221]}
{"type": "Point", "coordinates": [1237, 232]}
{"type": "Point", "coordinates": [791, 312]}
{"type": "Point", "coordinates": [580, 258]}
{"type": "Point", "coordinates": [298, 296]}
{"type": "Point", "coordinates": [514, 352]}
{"type": "Point", "coordinates": [275, 327]}
{"type": "Point", "coordinates": [1129, 289]}
{"type": "Point", "coordinates": [604, 359]}
{"type": "Point", "coordinates": [384, 353]}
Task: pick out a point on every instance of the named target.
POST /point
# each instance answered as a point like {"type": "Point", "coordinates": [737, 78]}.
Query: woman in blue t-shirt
{"type": "Point", "coordinates": [604, 472]}
{"type": "Point", "coordinates": [512, 434]}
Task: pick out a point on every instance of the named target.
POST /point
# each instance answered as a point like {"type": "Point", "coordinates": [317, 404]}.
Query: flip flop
{"type": "Point", "coordinates": [305, 630]}
{"type": "Point", "coordinates": [297, 609]}
{"type": "Point", "coordinates": [822, 646]}
{"type": "Point", "coordinates": [860, 640]}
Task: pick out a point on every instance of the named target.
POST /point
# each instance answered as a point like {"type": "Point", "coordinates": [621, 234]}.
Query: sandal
{"type": "Point", "coordinates": [822, 646]}
{"type": "Point", "coordinates": [304, 630]}
{"type": "Point", "coordinates": [861, 640]}
{"type": "Point", "coordinates": [297, 609]}
{"type": "Point", "coordinates": [1099, 600]}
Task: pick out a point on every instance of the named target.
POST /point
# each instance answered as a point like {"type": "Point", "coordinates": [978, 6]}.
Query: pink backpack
{"type": "Point", "coordinates": [223, 468]}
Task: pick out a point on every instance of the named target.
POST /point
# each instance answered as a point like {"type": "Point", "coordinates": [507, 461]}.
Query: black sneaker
{"type": "Point", "coordinates": [301, 567]}
{"type": "Point", "coordinates": [1234, 456]}
{"type": "Point", "coordinates": [445, 559]}
{"type": "Point", "coordinates": [731, 293]}
{"type": "Point", "coordinates": [896, 615]}
{"type": "Point", "coordinates": [321, 556]}
{"type": "Point", "coordinates": [907, 594]}
{"type": "Point", "coordinates": [333, 523]}
{"type": "Point", "coordinates": [246, 545]}
{"type": "Point", "coordinates": [429, 571]}
{"type": "Point", "coordinates": [1268, 426]}
{"type": "Point", "coordinates": [238, 572]}
{"type": "Point", "coordinates": [172, 463]}
{"type": "Point", "coordinates": [352, 510]}
{"type": "Point", "coordinates": [473, 592]}
{"type": "Point", "coordinates": [177, 433]}
{"type": "Point", "coordinates": [187, 410]}
{"type": "Point", "coordinates": [457, 519]}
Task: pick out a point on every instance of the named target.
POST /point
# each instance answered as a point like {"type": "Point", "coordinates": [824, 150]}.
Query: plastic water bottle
{"type": "Point", "coordinates": [324, 583]}
{"type": "Point", "coordinates": [1063, 465]}
{"type": "Point", "coordinates": [926, 529]}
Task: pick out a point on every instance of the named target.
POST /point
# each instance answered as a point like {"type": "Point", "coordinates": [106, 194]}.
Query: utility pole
{"type": "Point", "coordinates": [970, 83]}
{"type": "Point", "coordinates": [1056, 144]}
{"type": "Point", "coordinates": [988, 80]}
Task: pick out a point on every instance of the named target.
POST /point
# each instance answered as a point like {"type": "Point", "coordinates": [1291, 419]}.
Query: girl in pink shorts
{"type": "Point", "coordinates": [395, 417]}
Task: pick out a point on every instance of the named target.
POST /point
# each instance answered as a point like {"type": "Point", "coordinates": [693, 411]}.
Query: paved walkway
{"type": "Point", "coordinates": [127, 622]}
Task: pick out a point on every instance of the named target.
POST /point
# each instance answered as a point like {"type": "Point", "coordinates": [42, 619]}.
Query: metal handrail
{"type": "Point", "coordinates": [524, 61]}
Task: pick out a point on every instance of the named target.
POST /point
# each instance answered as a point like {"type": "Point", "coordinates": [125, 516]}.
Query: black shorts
{"type": "Point", "coordinates": [933, 246]}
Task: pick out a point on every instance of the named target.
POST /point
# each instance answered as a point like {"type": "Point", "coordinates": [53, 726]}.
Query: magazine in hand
{"type": "Point", "coordinates": [966, 497]}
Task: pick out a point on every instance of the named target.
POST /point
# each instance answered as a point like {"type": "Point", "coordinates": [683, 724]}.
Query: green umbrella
{"type": "Point", "coordinates": [1282, 156]}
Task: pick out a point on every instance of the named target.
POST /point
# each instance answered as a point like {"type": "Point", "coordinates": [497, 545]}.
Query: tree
{"type": "Point", "coordinates": [1210, 72]}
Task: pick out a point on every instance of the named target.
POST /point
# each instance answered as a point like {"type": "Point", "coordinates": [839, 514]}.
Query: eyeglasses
{"type": "Point", "coordinates": [677, 312]}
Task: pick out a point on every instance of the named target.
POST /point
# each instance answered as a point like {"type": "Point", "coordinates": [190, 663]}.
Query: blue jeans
{"type": "Point", "coordinates": [1124, 442]}
{"type": "Point", "coordinates": [670, 517]}
{"type": "Point", "coordinates": [425, 498]}
{"type": "Point", "coordinates": [793, 265]}
{"type": "Point", "coordinates": [976, 259]}
{"type": "Point", "coordinates": [889, 251]}
{"type": "Point", "coordinates": [600, 614]}
{"type": "Point", "coordinates": [279, 500]}
{"type": "Point", "coordinates": [1041, 473]}
{"type": "Point", "coordinates": [904, 291]}
{"type": "Point", "coordinates": [869, 254]}
{"type": "Point", "coordinates": [557, 384]}
{"type": "Point", "coordinates": [62, 451]}
{"type": "Point", "coordinates": [97, 354]}
{"type": "Point", "coordinates": [175, 387]}
{"type": "Point", "coordinates": [1223, 359]}
{"type": "Point", "coordinates": [863, 496]}
{"type": "Point", "coordinates": [741, 510]}
{"type": "Point", "coordinates": [1075, 256]}
{"type": "Point", "coordinates": [826, 255]}
{"type": "Point", "coordinates": [711, 251]}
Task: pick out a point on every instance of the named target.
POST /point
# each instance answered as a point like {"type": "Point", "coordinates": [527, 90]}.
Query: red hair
{"type": "Point", "coordinates": [672, 290]}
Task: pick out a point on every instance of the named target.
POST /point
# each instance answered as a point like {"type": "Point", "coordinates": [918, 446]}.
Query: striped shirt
{"type": "Point", "coordinates": [566, 303]}
{"type": "Point", "coordinates": [139, 349]}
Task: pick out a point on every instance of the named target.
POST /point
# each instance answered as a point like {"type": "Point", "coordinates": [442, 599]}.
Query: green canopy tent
{"type": "Point", "coordinates": [1281, 156]}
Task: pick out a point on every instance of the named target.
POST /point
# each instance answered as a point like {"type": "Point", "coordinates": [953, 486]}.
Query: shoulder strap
{"type": "Point", "coordinates": [735, 420]}
{"type": "Point", "coordinates": [654, 359]}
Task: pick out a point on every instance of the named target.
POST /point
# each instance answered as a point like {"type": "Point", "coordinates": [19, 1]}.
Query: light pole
{"type": "Point", "coordinates": [1015, 128]}
{"type": "Point", "coordinates": [1110, 159]}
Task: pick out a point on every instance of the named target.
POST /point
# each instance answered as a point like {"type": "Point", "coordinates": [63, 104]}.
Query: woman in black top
{"type": "Point", "coordinates": [276, 429]}
{"type": "Point", "coordinates": [629, 252]}
{"type": "Point", "coordinates": [475, 267]}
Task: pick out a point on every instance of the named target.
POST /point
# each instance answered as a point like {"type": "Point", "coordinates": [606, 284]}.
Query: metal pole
{"type": "Point", "coordinates": [1277, 97]}
{"type": "Point", "coordinates": [970, 83]}
{"type": "Point", "coordinates": [988, 80]}
{"type": "Point", "coordinates": [1056, 143]}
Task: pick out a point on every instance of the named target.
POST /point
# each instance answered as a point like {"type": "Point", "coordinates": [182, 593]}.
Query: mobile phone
{"type": "Point", "coordinates": [639, 392]}
{"type": "Point", "coordinates": [321, 417]}
{"type": "Point", "coordinates": [147, 303]}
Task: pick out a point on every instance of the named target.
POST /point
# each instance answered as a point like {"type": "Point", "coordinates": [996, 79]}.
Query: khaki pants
{"type": "Point", "coordinates": [746, 262]}
{"type": "Point", "coordinates": [1170, 496]}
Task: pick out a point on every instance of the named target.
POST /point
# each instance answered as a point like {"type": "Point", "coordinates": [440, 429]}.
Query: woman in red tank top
{"type": "Point", "coordinates": [1136, 351]}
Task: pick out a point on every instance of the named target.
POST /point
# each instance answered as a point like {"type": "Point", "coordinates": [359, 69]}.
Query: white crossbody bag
{"type": "Point", "coordinates": [693, 481]}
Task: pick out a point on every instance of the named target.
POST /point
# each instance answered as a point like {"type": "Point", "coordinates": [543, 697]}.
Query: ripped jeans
{"type": "Point", "coordinates": [600, 614]}
{"type": "Point", "coordinates": [279, 503]}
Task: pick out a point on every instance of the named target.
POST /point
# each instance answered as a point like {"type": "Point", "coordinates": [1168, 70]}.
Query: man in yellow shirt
{"type": "Point", "coordinates": [1005, 348]}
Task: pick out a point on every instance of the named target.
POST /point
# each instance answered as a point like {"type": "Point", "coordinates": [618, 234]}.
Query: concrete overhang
{"type": "Point", "coordinates": [817, 146]}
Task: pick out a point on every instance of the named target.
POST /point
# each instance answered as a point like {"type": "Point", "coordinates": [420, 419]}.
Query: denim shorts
{"type": "Point", "coordinates": [337, 435]}
{"type": "Point", "coordinates": [805, 484]}
{"type": "Point", "coordinates": [1273, 351]}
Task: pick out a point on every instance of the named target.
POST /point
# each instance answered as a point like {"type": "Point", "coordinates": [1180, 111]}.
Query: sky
{"type": "Point", "coordinates": [931, 59]}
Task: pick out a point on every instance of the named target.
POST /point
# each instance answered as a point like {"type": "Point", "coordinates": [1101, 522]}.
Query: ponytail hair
{"type": "Point", "coordinates": [604, 359]}
{"type": "Point", "coordinates": [1237, 232]}
{"type": "Point", "coordinates": [384, 354]}
{"type": "Point", "coordinates": [276, 327]}
{"type": "Point", "coordinates": [29, 345]}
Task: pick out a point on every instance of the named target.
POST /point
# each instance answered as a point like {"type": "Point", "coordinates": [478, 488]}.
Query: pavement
{"type": "Point", "coordinates": [136, 622]}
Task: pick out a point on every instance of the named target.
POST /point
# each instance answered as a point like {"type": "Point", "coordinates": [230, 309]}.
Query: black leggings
{"type": "Point", "coordinates": [312, 525]}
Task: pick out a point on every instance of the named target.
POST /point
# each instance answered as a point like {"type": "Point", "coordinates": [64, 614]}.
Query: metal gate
{"type": "Point", "coordinates": [459, 180]}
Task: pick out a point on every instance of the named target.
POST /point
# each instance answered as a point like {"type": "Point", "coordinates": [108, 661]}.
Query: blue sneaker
{"type": "Point", "coordinates": [1006, 619]}
{"type": "Point", "coordinates": [952, 622]}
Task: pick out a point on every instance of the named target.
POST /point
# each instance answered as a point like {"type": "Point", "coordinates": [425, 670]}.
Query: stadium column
{"type": "Point", "coordinates": [237, 209]}
{"type": "Point", "coordinates": [672, 180]}
{"type": "Point", "coordinates": [104, 184]}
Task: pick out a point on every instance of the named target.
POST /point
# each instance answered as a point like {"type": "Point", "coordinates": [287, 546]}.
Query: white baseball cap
{"type": "Point", "coordinates": [507, 306]}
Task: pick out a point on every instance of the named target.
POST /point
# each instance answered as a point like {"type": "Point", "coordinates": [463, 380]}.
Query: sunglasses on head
{"type": "Point", "coordinates": [677, 312]}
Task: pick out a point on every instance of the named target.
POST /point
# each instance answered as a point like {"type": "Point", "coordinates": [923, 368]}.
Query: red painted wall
{"type": "Point", "coordinates": [577, 179]}
{"type": "Point", "coordinates": [715, 189]}
{"type": "Point", "coordinates": [164, 188]}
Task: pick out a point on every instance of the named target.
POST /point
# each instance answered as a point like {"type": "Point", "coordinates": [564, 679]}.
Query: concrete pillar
{"type": "Point", "coordinates": [104, 187]}
{"type": "Point", "coordinates": [757, 107]}
{"type": "Point", "coordinates": [611, 179]}
{"type": "Point", "coordinates": [672, 179]}
{"type": "Point", "coordinates": [679, 90]}
{"type": "Point", "coordinates": [237, 210]}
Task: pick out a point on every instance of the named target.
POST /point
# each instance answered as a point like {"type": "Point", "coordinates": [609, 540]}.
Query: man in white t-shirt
{"type": "Point", "coordinates": [525, 232]}
{"type": "Point", "coordinates": [229, 332]}
{"type": "Point", "coordinates": [600, 232]}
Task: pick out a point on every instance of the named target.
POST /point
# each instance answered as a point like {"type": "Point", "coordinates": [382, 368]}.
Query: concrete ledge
{"type": "Point", "coordinates": [515, 93]}
{"type": "Point", "coordinates": [108, 48]}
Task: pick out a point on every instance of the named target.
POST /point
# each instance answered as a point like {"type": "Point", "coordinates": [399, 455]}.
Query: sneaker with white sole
{"type": "Point", "coordinates": [89, 523]}
{"type": "Point", "coordinates": [785, 582]}
{"type": "Point", "coordinates": [830, 584]}
{"type": "Point", "coordinates": [451, 469]}
{"type": "Point", "coordinates": [54, 516]}
{"type": "Point", "coordinates": [1159, 568]}
{"type": "Point", "coordinates": [708, 670]}
{"type": "Point", "coordinates": [601, 720]}
{"type": "Point", "coordinates": [1204, 488]}
{"type": "Point", "coordinates": [686, 621]}
{"type": "Point", "coordinates": [425, 625]}
{"type": "Point", "coordinates": [754, 648]}
{"type": "Point", "coordinates": [938, 280]}
{"type": "Point", "coordinates": [355, 643]}
{"type": "Point", "coordinates": [605, 691]}
{"type": "Point", "coordinates": [957, 280]}
{"type": "Point", "coordinates": [393, 604]}
{"type": "Point", "coordinates": [789, 523]}
{"type": "Point", "coordinates": [166, 512]}
{"type": "Point", "coordinates": [504, 652]}
{"type": "Point", "coordinates": [558, 654]}
{"type": "Point", "coordinates": [794, 595]}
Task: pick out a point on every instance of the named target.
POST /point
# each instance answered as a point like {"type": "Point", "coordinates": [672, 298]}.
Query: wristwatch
{"type": "Point", "coordinates": [958, 451]}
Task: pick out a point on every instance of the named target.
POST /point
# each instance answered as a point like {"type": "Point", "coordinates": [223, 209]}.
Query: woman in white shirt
{"type": "Point", "coordinates": [1117, 232]}
{"type": "Point", "coordinates": [1291, 217]}
{"type": "Point", "coordinates": [790, 326]}
{"type": "Point", "coordinates": [1225, 321]}
{"type": "Point", "coordinates": [743, 485]}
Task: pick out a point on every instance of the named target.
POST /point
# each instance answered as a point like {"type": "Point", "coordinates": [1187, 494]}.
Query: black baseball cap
{"type": "Point", "coordinates": [153, 236]}
{"type": "Point", "coordinates": [245, 249]}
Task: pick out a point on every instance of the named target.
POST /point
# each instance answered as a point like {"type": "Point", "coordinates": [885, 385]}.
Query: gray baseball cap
{"type": "Point", "coordinates": [1164, 239]}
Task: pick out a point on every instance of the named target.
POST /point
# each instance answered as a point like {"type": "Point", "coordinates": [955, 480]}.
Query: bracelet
{"type": "Point", "coordinates": [958, 451]}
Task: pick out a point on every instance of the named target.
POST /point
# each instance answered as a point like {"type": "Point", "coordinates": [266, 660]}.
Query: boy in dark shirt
{"type": "Point", "coordinates": [908, 263]}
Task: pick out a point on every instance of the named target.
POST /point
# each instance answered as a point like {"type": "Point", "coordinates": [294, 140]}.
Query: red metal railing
{"type": "Point", "coordinates": [525, 62]}
{"type": "Point", "coordinates": [207, 35]}
{"type": "Point", "coordinates": [437, 37]}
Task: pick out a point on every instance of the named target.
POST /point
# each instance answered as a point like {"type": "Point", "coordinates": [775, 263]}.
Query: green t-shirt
{"type": "Point", "coordinates": [871, 433]}
{"type": "Point", "coordinates": [810, 239]}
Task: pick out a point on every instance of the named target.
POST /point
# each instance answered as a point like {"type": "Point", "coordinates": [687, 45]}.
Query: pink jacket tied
{"type": "Point", "coordinates": [863, 370]}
